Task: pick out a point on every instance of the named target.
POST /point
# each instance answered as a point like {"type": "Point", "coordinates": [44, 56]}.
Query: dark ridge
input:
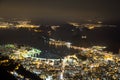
{"type": "Point", "coordinates": [4, 75]}
{"type": "Point", "coordinates": [27, 74]}
{"type": "Point", "coordinates": [4, 70]}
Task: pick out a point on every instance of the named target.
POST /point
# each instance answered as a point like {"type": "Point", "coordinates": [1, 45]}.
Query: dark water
{"type": "Point", "coordinates": [104, 36]}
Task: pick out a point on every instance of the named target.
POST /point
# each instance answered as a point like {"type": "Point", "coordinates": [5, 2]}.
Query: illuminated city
{"type": "Point", "coordinates": [75, 62]}
{"type": "Point", "coordinates": [59, 40]}
{"type": "Point", "coordinates": [70, 67]}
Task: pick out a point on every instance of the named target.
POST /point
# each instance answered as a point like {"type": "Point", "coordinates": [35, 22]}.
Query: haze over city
{"type": "Point", "coordinates": [73, 10]}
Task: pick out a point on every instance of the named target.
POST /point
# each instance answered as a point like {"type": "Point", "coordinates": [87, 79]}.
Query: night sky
{"type": "Point", "coordinates": [107, 10]}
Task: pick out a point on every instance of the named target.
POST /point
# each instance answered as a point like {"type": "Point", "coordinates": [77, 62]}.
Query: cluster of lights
{"type": "Point", "coordinates": [59, 43]}
{"type": "Point", "coordinates": [96, 61]}
{"type": "Point", "coordinates": [4, 25]}
{"type": "Point", "coordinates": [15, 52]}
{"type": "Point", "coordinates": [25, 24]}
{"type": "Point", "coordinates": [20, 24]}
{"type": "Point", "coordinates": [74, 24]}
{"type": "Point", "coordinates": [90, 26]}
{"type": "Point", "coordinates": [55, 27]}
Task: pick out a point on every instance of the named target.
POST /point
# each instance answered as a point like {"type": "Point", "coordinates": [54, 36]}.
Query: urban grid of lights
{"type": "Point", "coordinates": [97, 61]}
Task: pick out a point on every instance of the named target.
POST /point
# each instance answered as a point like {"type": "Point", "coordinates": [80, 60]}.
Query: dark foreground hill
{"type": "Point", "coordinates": [8, 66]}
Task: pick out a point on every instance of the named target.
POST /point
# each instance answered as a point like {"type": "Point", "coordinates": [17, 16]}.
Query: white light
{"type": "Point", "coordinates": [61, 76]}
{"type": "Point", "coordinates": [84, 37]}
{"type": "Point", "coordinates": [49, 78]}
{"type": "Point", "coordinates": [68, 44]}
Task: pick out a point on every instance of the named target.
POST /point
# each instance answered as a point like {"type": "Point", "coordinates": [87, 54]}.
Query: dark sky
{"type": "Point", "coordinates": [61, 9]}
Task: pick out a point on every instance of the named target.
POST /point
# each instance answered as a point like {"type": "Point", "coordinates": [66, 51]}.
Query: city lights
{"type": "Point", "coordinates": [20, 24]}
{"type": "Point", "coordinates": [97, 61]}
{"type": "Point", "coordinates": [51, 56]}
